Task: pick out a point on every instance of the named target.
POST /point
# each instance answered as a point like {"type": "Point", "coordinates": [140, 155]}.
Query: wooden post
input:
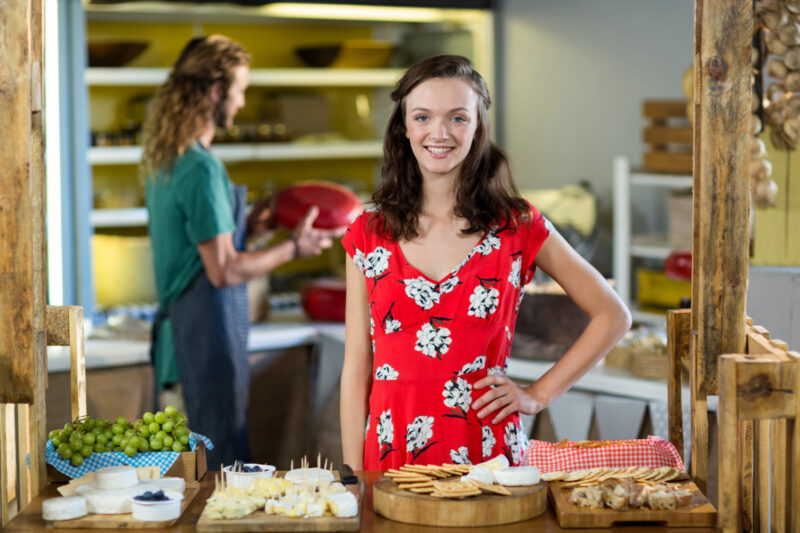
{"type": "Point", "coordinates": [721, 198]}
{"type": "Point", "coordinates": [728, 510]}
{"type": "Point", "coordinates": [679, 323]}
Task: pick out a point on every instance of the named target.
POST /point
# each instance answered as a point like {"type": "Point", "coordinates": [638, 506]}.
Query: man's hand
{"type": "Point", "coordinates": [261, 217]}
{"type": "Point", "coordinates": [506, 397]}
{"type": "Point", "coordinates": [310, 240]}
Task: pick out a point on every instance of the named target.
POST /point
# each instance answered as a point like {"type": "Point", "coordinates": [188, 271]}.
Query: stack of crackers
{"type": "Point", "coordinates": [427, 479]}
{"type": "Point", "coordinates": [593, 476]}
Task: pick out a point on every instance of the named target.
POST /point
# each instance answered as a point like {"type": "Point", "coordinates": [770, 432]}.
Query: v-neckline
{"type": "Point", "coordinates": [458, 267]}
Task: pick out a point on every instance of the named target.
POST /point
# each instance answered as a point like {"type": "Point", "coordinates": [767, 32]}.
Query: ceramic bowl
{"type": "Point", "coordinates": [237, 478]}
{"type": "Point", "coordinates": [169, 509]}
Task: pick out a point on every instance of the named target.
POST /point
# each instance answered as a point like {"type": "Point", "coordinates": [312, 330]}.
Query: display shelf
{"type": "Point", "coordinates": [673, 181]}
{"type": "Point", "coordinates": [237, 152]}
{"type": "Point", "coordinates": [277, 77]}
{"type": "Point", "coordinates": [650, 246]}
{"type": "Point", "coordinates": [118, 218]}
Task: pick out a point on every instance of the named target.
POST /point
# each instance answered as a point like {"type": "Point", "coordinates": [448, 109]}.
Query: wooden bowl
{"type": "Point", "coordinates": [351, 53]}
{"type": "Point", "coordinates": [114, 53]}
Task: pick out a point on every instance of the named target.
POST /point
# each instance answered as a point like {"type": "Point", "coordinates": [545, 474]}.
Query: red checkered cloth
{"type": "Point", "coordinates": [652, 452]}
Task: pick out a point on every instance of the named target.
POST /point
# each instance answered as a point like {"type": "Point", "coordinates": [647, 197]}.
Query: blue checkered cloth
{"type": "Point", "coordinates": [163, 460]}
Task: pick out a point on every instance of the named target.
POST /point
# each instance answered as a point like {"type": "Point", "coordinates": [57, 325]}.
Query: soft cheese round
{"type": "Point", "coordinates": [343, 504]}
{"type": "Point", "coordinates": [64, 508]}
{"type": "Point", "coordinates": [311, 475]}
{"type": "Point", "coordinates": [115, 477]}
{"type": "Point", "coordinates": [112, 501]}
{"type": "Point", "coordinates": [517, 476]}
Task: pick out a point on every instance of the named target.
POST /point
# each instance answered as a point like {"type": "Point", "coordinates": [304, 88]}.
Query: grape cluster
{"type": "Point", "coordinates": [157, 496]}
{"type": "Point", "coordinates": [162, 431]}
{"type": "Point", "coordinates": [249, 469]}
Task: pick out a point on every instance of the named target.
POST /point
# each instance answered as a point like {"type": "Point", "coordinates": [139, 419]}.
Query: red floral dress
{"type": "Point", "coordinates": [433, 339]}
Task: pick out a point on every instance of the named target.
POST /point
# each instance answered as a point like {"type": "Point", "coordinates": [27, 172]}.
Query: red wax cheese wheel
{"type": "Point", "coordinates": [324, 299]}
{"type": "Point", "coordinates": [678, 265]}
{"type": "Point", "coordinates": [338, 205]}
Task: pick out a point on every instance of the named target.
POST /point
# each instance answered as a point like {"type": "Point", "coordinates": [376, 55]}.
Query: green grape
{"type": "Point", "coordinates": [167, 426]}
{"type": "Point", "coordinates": [116, 439]}
{"type": "Point", "coordinates": [56, 442]}
{"type": "Point", "coordinates": [168, 441]}
{"type": "Point", "coordinates": [144, 431]}
{"type": "Point", "coordinates": [63, 446]}
{"type": "Point", "coordinates": [177, 447]}
{"type": "Point", "coordinates": [67, 452]}
{"type": "Point", "coordinates": [156, 444]}
{"type": "Point", "coordinates": [87, 450]}
{"type": "Point", "coordinates": [160, 417]}
{"type": "Point", "coordinates": [181, 430]}
{"type": "Point", "coordinates": [161, 434]}
{"type": "Point", "coordinates": [108, 433]}
{"type": "Point", "coordinates": [122, 421]}
{"type": "Point", "coordinates": [99, 448]}
{"type": "Point", "coordinates": [129, 433]}
{"type": "Point", "coordinates": [101, 438]}
{"type": "Point", "coordinates": [148, 417]}
{"type": "Point", "coordinates": [76, 444]}
{"type": "Point", "coordinates": [117, 429]}
{"type": "Point", "coordinates": [154, 427]}
{"type": "Point", "coordinates": [89, 424]}
{"type": "Point", "coordinates": [97, 431]}
{"type": "Point", "coordinates": [76, 459]}
{"type": "Point", "coordinates": [67, 431]}
{"type": "Point", "coordinates": [184, 440]}
{"type": "Point", "coordinates": [143, 446]}
{"type": "Point", "coordinates": [89, 438]}
{"type": "Point", "coordinates": [54, 434]}
{"type": "Point", "coordinates": [130, 451]}
{"type": "Point", "coordinates": [171, 410]}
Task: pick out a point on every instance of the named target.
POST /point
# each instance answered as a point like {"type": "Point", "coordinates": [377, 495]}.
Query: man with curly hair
{"type": "Point", "coordinates": [197, 224]}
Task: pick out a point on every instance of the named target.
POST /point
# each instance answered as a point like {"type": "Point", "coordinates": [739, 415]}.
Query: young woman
{"type": "Point", "coordinates": [434, 284]}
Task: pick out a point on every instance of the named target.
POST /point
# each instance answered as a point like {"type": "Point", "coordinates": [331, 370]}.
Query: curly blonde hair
{"type": "Point", "coordinates": [183, 106]}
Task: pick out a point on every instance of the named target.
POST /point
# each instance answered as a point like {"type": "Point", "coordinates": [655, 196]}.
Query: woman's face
{"type": "Point", "coordinates": [234, 100]}
{"type": "Point", "coordinates": [441, 116]}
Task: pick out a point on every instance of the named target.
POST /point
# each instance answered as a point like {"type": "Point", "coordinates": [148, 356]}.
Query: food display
{"type": "Point", "coordinates": [337, 204]}
{"type": "Point", "coordinates": [112, 496]}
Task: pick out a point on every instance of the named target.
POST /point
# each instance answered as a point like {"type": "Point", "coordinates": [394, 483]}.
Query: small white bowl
{"type": "Point", "coordinates": [242, 480]}
{"type": "Point", "coordinates": [169, 509]}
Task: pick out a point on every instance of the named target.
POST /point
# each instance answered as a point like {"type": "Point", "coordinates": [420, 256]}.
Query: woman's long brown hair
{"type": "Point", "coordinates": [485, 195]}
{"type": "Point", "coordinates": [183, 106]}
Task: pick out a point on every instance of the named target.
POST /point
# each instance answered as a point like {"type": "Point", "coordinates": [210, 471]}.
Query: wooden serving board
{"type": "Point", "coordinates": [484, 510]}
{"type": "Point", "coordinates": [126, 521]}
{"type": "Point", "coordinates": [261, 521]}
{"type": "Point", "coordinates": [699, 513]}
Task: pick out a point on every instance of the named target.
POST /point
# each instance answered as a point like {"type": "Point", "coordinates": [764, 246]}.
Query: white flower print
{"type": "Point", "coordinates": [449, 284]}
{"type": "Point", "coordinates": [386, 373]}
{"type": "Point", "coordinates": [371, 326]}
{"type": "Point", "coordinates": [474, 366]}
{"type": "Point", "coordinates": [385, 428]}
{"type": "Point", "coordinates": [392, 325]}
{"type": "Point", "coordinates": [418, 433]}
{"type": "Point", "coordinates": [491, 242]}
{"type": "Point", "coordinates": [516, 269]}
{"type": "Point", "coordinates": [496, 371]}
{"type": "Point", "coordinates": [433, 341]}
{"type": "Point", "coordinates": [376, 262]}
{"type": "Point", "coordinates": [483, 301]}
{"type": "Point", "coordinates": [519, 301]}
{"type": "Point", "coordinates": [488, 441]}
{"type": "Point", "coordinates": [548, 225]}
{"type": "Point", "coordinates": [457, 396]}
{"type": "Point", "coordinates": [358, 259]}
{"type": "Point", "coordinates": [460, 456]}
{"type": "Point", "coordinates": [422, 291]}
{"type": "Point", "coordinates": [366, 430]}
{"type": "Point", "coordinates": [515, 441]}
{"type": "Point", "coordinates": [508, 333]}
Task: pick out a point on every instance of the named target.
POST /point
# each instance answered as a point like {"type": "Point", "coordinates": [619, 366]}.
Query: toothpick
{"type": "Point", "coordinates": [319, 460]}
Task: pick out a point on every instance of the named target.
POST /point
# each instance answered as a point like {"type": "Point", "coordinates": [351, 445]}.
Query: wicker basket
{"type": "Point", "coordinates": [649, 365]}
{"type": "Point", "coordinates": [619, 356]}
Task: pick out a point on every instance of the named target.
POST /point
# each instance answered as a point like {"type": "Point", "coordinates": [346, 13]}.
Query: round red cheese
{"type": "Point", "coordinates": [678, 265]}
{"type": "Point", "coordinates": [324, 299]}
{"type": "Point", "coordinates": [337, 204]}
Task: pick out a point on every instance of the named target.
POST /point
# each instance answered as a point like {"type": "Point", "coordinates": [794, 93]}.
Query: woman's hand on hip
{"type": "Point", "coordinates": [504, 398]}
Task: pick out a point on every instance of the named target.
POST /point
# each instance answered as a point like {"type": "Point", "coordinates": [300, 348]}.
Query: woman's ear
{"type": "Point", "coordinates": [216, 91]}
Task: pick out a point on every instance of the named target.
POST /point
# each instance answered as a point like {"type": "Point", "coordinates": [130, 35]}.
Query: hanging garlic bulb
{"type": "Point", "coordinates": [774, 45]}
{"type": "Point", "coordinates": [777, 68]}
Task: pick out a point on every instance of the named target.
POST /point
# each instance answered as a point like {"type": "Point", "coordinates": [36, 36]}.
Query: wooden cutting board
{"type": "Point", "coordinates": [699, 513]}
{"type": "Point", "coordinates": [126, 521]}
{"type": "Point", "coordinates": [261, 521]}
{"type": "Point", "coordinates": [484, 510]}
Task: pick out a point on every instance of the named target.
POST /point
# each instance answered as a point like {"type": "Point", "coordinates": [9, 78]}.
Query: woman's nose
{"type": "Point", "coordinates": [440, 130]}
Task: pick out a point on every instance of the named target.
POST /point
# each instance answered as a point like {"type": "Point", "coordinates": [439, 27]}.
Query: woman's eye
{"type": "Point", "coordinates": [421, 118]}
{"type": "Point", "coordinates": [459, 119]}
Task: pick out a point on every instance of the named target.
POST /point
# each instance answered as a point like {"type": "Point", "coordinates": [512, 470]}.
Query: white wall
{"type": "Point", "coordinates": [573, 74]}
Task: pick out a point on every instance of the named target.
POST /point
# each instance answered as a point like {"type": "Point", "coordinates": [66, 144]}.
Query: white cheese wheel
{"type": "Point", "coordinates": [517, 476]}
{"type": "Point", "coordinates": [115, 477]}
{"type": "Point", "coordinates": [112, 501]}
{"type": "Point", "coordinates": [479, 473]}
{"type": "Point", "coordinates": [343, 505]}
{"type": "Point", "coordinates": [157, 511]}
{"type": "Point", "coordinates": [310, 475]}
{"type": "Point", "coordinates": [495, 463]}
{"type": "Point", "coordinates": [175, 484]}
{"type": "Point", "coordinates": [64, 508]}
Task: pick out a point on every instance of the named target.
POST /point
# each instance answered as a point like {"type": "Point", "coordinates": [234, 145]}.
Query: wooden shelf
{"type": "Point", "coordinates": [278, 77]}
{"type": "Point", "coordinates": [676, 181]}
{"type": "Point", "coordinates": [118, 218]}
{"type": "Point", "coordinates": [131, 155]}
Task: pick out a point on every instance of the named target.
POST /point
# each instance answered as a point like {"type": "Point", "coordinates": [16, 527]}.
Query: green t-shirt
{"type": "Point", "coordinates": [190, 205]}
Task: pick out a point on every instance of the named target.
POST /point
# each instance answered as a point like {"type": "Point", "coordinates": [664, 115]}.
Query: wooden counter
{"type": "Point", "coordinates": [30, 519]}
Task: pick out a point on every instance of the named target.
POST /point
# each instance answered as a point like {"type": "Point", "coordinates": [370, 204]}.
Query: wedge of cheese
{"type": "Point", "coordinates": [495, 463]}
{"type": "Point", "coordinates": [111, 501]}
{"type": "Point", "coordinates": [64, 508]}
{"type": "Point", "coordinates": [343, 504]}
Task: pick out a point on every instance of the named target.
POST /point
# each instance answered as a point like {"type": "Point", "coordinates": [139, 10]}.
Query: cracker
{"type": "Point", "coordinates": [422, 490]}
{"type": "Point", "coordinates": [575, 475]}
{"type": "Point", "coordinates": [493, 489]}
{"type": "Point", "coordinates": [415, 485]}
{"type": "Point", "coordinates": [554, 476]}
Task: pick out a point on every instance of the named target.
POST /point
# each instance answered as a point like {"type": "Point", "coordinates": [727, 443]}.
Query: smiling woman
{"type": "Point", "coordinates": [434, 286]}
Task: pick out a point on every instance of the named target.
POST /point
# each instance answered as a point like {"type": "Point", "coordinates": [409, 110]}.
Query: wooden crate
{"type": "Point", "coordinates": [668, 134]}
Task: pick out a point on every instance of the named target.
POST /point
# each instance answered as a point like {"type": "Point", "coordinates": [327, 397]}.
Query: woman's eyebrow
{"type": "Point", "coordinates": [455, 109]}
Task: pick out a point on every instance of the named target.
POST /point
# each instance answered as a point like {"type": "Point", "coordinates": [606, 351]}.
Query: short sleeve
{"type": "Point", "coordinates": [354, 238]}
{"type": "Point", "coordinates": [206, 201]}
{"type": "Point", "coordinates": [533, 236]}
